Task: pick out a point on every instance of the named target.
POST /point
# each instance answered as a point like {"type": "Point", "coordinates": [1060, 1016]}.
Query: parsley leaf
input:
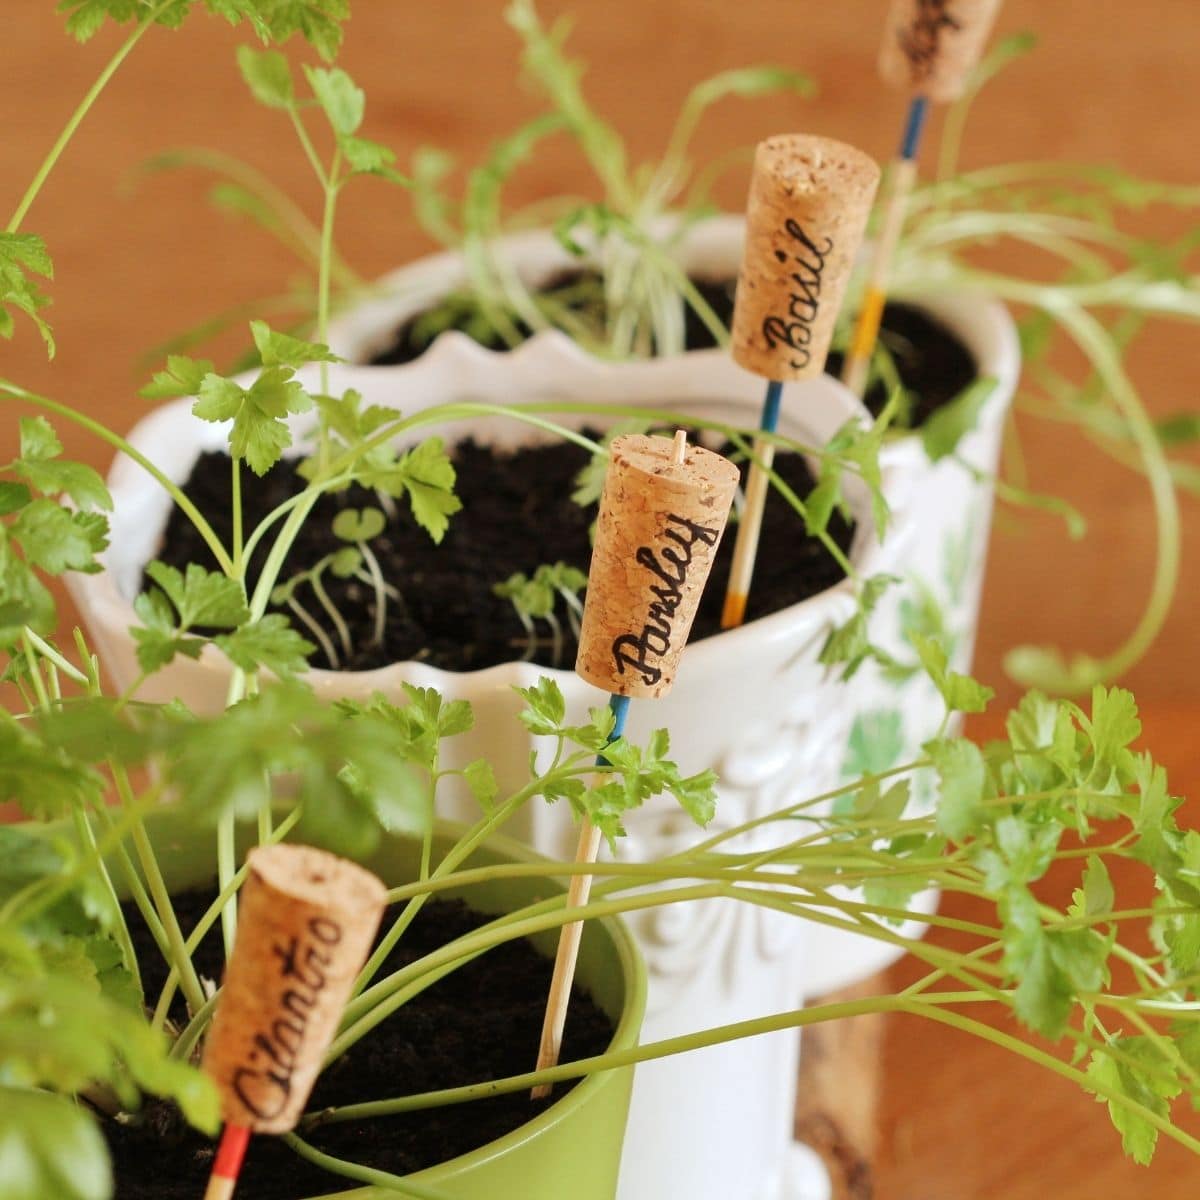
{"type": "Point", "coordinates": [21, 253]}
{"type": "Point", "coordinates": [342, 101]}
{"type": "Point", "coordinates": [269, 643]}
{"type": "Point", "coordinates": [268, 76]}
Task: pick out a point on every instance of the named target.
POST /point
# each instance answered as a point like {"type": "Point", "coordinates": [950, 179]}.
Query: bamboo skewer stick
{"type": "Point", "coordinates": [930, 47]}
{"type": "Point", "coordinates": [580, 889]}
{"type": "Point", "coordinates": [661, 518]}
{"type": "Point", "coordinates": [901, 180]}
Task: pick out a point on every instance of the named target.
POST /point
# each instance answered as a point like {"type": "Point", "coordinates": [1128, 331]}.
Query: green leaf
{"type": "Point", "coordinates": [942, 432]}
{"type": "Point", "coordinates": [1151, 1090]}
{"type": "Point", "coordinates": [371, 158]}
{"type": "Point", "coordinates": [58, 540]}
{"type": "Point", "coordinates": [427, 475]}
{"type": "Point", "coordinates": [962, 775]}
{"type": "Point", "coordinates": [24, 600]}
{"type": "Point", "coordinates": [183, 377]}
{"type": "Point", "coordinates": [269, 643]}
{"type": "Point", "coordinates": [960, 692]}
{"type": "Point", "coordinates": [260, 433]}
{"type": "Point", "coordinates": [317, 21]}
{"type": "Point", "coordinates": [545, 709]}
{"type": "Point", "coordinates": [1096, 897]}
{"type": "Point", "coordinates": [1113, 726]}
{"type": "Point", "coordinates": [13, 497]}
{"type": "Point", "coordinates": [268, 76]}
{"type": "Point", "coordinates": [281, 349]}
{"type": "Point", "coordinates": [358, 525]}
{"type": "Point", "coordinates": [481, 779]}
{"type": "Point", "coordinates": [201, 598]}
{"type": "Point", "coordinates": [50, 1147]}
{"type": "Point", "coordinates": [39, 464]}
{"type": "Point", "coordinates": [342, 102]}
{"type": "Point", "coordinates": [21, 253]}
{"type": "Point", "coordinates": [1043, 997]}
{"type": "Point", "coordinates": [748, 82]}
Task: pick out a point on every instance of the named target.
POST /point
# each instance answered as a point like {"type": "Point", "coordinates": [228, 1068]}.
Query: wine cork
{"type": "Point", "coordinates": [810, 198]}
{"type": "Point", "coordinates": [656, 537]}
{"type": "Point", "coordinates": [931, 46]}
{"type": "Point", "coordinates": [306, 922]}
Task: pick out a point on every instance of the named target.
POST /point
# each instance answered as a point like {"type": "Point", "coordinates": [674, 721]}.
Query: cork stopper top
{"type": "Point", "coordinates": [692, 477]}
{"type": "Point", "coordinates": [316, 877]}
{"type": "Point", "coordinates": [810, 199]}
{"type": "Point", "coordinates": [808, 165]}
{"type": "Point", "coordinates": [661, 518]}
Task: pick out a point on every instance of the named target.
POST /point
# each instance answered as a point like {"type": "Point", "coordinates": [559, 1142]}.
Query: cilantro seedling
{"type": "Point", "coordinates": [534, 599]}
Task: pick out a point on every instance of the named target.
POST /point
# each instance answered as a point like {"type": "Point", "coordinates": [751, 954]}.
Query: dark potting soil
{"type": "Point", "coordinates": [576, 290]}
{"type": "Point", "coordinates": [516, 516]}
{"type": "Point", "coordinates": [481, 1022]}
{"type": "Point", "coordinates": [932, 363]}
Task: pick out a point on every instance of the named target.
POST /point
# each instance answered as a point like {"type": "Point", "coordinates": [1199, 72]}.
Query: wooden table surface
{"type": "Point", "coordinates": [1111, 82]}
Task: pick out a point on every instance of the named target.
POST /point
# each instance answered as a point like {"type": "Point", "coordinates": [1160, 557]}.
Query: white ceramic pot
{"type": "Point", "coordinates": [752, 703]}
{"type": "Point", "coordinates": [941, 521]}
{"type": "Point", "coordinates": [941, 512]}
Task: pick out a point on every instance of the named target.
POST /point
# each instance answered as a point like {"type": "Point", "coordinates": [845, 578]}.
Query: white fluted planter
{"type": "Point", "coordinates": [941, 512]}
{"type": "Point", "coordinates": [752, 703]}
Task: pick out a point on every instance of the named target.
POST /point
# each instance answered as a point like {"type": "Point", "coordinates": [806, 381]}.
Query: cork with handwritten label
{"type": "Point", "coordinates": [657, 534]}
{"type": "Point", "coordinates": [932, 46]}
{"type": "Point", "coordinates": [306, 921]}
{"type": "Point", "coordinates": [810, 198]}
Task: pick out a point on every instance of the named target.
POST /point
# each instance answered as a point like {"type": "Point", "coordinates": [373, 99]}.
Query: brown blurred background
{"type": "Point", "coordinates": [1111, 82]}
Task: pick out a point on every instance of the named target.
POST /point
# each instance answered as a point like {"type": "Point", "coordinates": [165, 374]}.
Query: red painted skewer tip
{"type": "Point", "coordinates": [227, 1165]}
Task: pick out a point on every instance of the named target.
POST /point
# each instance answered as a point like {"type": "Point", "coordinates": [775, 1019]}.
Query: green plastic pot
{"type": "Point", "coordinates": [573, 1148]}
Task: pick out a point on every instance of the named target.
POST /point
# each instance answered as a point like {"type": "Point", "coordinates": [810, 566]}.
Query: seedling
{"type": "Point", "coordinates": [534, 599]}
{"type": "Point", "coordinates": [358, 527]}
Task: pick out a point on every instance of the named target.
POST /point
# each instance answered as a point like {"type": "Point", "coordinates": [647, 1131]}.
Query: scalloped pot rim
{"type": "Point", "coordinates": [458, 369]}
{"type": "Point", "coordinates": [549, 365]}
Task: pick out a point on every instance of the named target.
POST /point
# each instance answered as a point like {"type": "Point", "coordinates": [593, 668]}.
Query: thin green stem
{"type": "Point", "coordinates": [134, 885]}
{"type": "Point", "coordinates": [179, 957]}
{"type": "Point", "coordinates": [46, 650]}
{"type": "Point", "coordinates": [195, 1027]}
{"type": "Point", "coordinates": [611, 1061]}
{"type": "Point", "coordinates": [326, 259]}
{"type": "Point", "coordinates": [120, 927]}
{"type": "Point", "coordinates": [236, 500]}
{"type": "Point", "coordinates": [85, 105]}
{"type": "Point", "coordinates": [226, 836]}
{"type": "Point", "coordinates": [361, 1174]}
{"type": "Point", "coordinates": [206, 922]}
{"type": "Point", "coordinates": [380, 588]}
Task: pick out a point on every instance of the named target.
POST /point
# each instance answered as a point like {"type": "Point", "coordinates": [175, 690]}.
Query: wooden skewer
{"type": "Point", "coordinates": [228, 1163]}
{"type": "Point", "coordinates": [651, 500]}
{"type": "Point", "coordinates": [903, 178]}
{"type": "Point", "coordinates": [569, 938]}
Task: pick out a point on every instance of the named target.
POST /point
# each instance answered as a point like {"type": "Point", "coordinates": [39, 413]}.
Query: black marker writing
{"type": "Point", "coordinates": [808, 267]}
{"type": "Point", "coordinates": [921, 40]}
{"type": "Point", "coordinates": [264, 1089]}
{"type": "Point", "coordinates": [670, 567]}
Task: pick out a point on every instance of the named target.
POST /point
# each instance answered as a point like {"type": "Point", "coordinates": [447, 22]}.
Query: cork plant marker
{"type": "Point", "coordinates": [662, 514]}
{"type": "Point", "coordinates": [810, 198]}
{"type": "Point", "coordinates": [930, 47]}
{"type": "Point", "coordinates": [307, 921]}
